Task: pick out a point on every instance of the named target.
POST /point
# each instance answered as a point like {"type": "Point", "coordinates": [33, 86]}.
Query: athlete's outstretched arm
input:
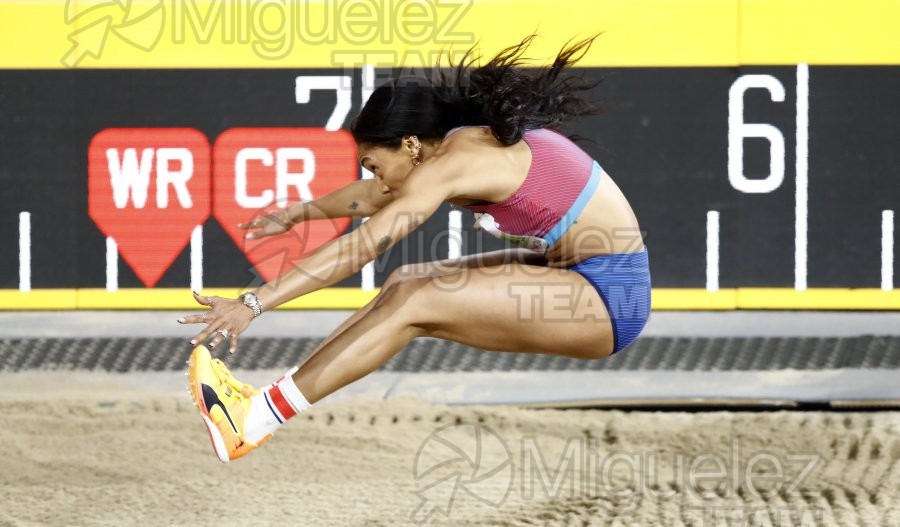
{"type": "Point", "coordinates": [425, 189]}
{"type": "Point", "coordinates": [358, 199]}
{"type": "Point", "coordinates": [347, 254]}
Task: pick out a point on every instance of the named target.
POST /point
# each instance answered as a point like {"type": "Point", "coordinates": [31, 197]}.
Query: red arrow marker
{"type": "Point", "coordinates": [148, 188]}
{"type": "Point", "coordinates": [259, 170]}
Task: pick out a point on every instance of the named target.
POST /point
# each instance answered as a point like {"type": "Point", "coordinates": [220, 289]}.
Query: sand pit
{"type": "Point", "coordinates": [101, 452]}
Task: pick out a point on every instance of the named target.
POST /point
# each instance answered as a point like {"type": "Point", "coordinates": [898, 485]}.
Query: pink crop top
{"type": "Point", "coordinates": [561, 179]}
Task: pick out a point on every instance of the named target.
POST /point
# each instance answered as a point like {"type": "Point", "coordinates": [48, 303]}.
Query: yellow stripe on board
{"type": "Point", "coordinates": [151, 299]}
{"type": "Point", "coordinates": [38, 299]}
{"type": "Point", "coordinates": [664, 299]}
{"type": "Point", "coordinates": [675, 299]}
{"type": "Point", "coordinates": [334, 33]}
{"type": "Point", "coordinates": [146, 298]}
{"type": "Point", "coordinates": [825, 298]}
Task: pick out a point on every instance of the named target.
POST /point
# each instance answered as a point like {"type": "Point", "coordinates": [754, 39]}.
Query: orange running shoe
{"type": "Point", "coordinates": [224, 403]}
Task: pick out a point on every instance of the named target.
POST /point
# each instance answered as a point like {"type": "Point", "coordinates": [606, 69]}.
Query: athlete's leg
{"type": "Point", "coordinates": [503, 307]}
{"type": "Point", "coordinates": [439, 268]}
{"type": "Point", "coordinates": [507, 307]}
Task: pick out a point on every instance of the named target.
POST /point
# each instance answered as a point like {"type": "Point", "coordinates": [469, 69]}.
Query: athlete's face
{"type": "Point", "coordinates": [390, 166]}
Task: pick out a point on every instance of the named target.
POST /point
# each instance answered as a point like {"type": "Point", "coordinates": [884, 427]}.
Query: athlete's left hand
{"type": "Point", "coordinates": [227, 319]}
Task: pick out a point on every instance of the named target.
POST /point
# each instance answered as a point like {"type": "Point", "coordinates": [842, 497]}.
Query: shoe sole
{"type": "Point", "coordinates": [215, 437]}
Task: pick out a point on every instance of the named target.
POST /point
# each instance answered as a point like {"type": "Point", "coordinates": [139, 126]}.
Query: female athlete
{"type": "Point", "coordinates": [481, 138]}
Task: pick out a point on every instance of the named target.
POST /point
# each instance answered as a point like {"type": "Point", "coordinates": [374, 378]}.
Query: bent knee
{"type": "Point", "coordinates": [402, 290]}
{"type": "Point", "coordinates": [596, 344]}
{"type": "Point", "coordinates": [596, 352]}
{"type": "Point", "coordinates": [397, 275]}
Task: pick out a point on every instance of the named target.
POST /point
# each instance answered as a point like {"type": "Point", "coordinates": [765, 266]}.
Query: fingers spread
{"type": "Point", "coordinates": [219, 320]}
{"type": "Point", "coordinates": [194, 319]}
{"type": "Point", "coordinates": [221, 336]}
{"type": "Point", "coordinates": [203, 335]}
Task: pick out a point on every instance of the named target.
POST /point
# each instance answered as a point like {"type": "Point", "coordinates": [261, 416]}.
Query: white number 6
{"type": "Point", "coordinates": [738, 130]}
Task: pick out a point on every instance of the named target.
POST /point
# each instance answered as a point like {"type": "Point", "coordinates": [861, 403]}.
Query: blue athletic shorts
{"type": "Point", "coordinates": [623, 281]}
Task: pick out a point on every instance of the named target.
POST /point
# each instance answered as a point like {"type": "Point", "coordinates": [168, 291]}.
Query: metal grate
{"type": "Point", "coordinates": [433, 355]}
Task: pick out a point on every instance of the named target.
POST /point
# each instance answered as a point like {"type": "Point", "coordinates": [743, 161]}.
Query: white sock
{"type": "Point", "coordinates": [273, 407]}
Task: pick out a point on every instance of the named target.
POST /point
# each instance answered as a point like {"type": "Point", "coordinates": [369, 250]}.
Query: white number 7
{"type": "Point", "coordinates": [343, 87]}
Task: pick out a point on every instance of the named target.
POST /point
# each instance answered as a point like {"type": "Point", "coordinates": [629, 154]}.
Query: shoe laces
{"type": "Point", "coordinates": [224, 375]}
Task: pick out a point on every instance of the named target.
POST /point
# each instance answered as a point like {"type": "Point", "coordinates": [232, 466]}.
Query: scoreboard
{"type": "Point", "coordinates": [759, 181]}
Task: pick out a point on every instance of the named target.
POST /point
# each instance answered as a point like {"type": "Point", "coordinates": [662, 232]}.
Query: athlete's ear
{"type": "Point", "coordinates": [411, 143]}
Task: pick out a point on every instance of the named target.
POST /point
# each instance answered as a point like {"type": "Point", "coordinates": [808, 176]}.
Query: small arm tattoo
{"type": "Point", "coordinates": [383, 244]}
{"type": "Point", "coordinates": [354, 206]}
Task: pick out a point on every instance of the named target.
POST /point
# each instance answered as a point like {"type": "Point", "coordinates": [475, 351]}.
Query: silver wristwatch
{"type": "Point", "coordinates": [250, 300]}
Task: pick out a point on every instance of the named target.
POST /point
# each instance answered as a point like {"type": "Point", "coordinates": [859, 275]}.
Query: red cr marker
{"type": "Point", "coordinates": [259, 170]}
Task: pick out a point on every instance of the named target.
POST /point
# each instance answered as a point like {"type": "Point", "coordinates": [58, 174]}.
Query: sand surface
{"type": "Point", "coordinates": [113, 450]}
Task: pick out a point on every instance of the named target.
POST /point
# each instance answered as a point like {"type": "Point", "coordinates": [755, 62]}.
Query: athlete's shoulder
{"type": "Point", "coordinates": [450, 166]}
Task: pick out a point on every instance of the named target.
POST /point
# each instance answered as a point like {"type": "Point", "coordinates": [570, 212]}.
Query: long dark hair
{"type": "Point", "coordinates": [502, 94]}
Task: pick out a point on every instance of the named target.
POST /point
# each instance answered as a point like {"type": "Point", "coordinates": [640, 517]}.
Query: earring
{"type": "Point", "coordinates": [414, 144]}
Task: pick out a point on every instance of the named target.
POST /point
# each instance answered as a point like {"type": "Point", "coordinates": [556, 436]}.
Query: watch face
{"type": "Point", "coordinates": [252, 302]}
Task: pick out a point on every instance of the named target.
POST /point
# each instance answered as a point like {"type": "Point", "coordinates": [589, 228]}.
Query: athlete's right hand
{"type": "Point", "coordinates": [271, 224]}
